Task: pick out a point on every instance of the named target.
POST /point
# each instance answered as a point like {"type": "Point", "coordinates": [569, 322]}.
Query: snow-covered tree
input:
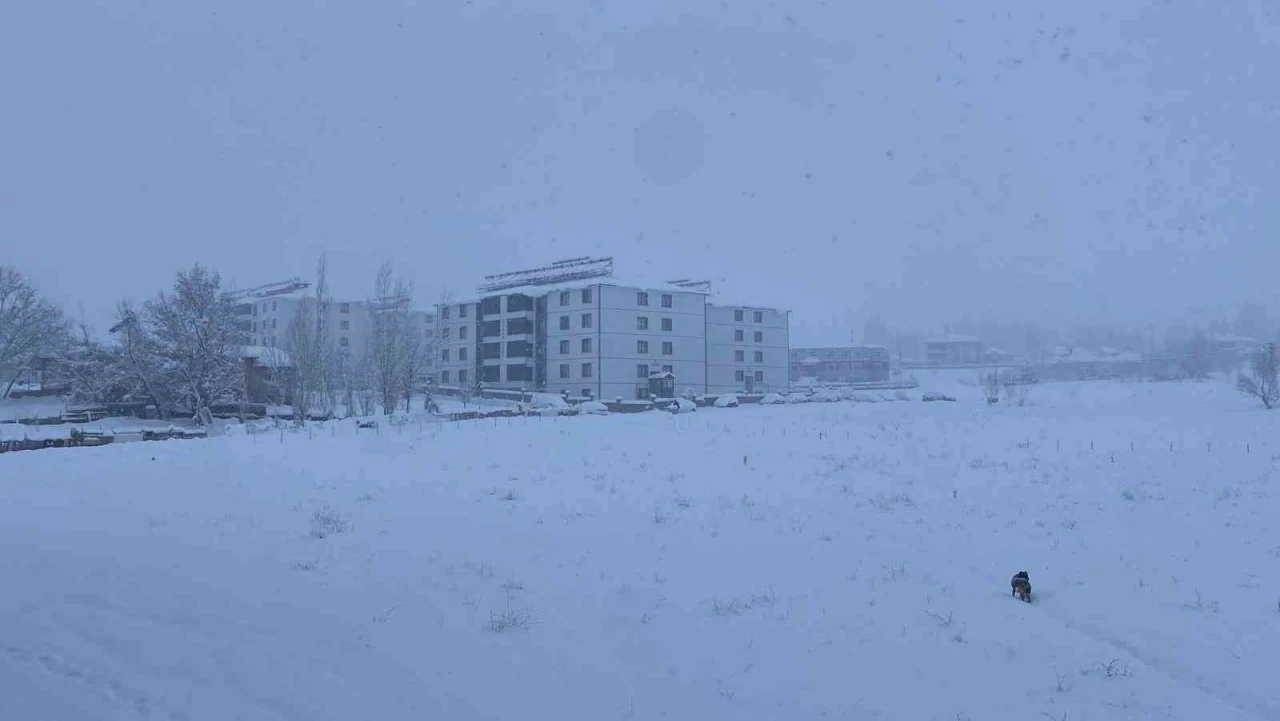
{"type": "Point", "coordinates": [137, 359]}
{"type": "Point", "coordinates": [389, 340]}
{"type": "Point", "coordinates": [29, 325]}
{"type": "Point", "coordinates": [196, 339]}
{"type": "Point", "coordinates": [1263, 379]}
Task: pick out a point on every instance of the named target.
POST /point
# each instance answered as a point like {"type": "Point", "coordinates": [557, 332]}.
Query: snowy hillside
{"type": "Point", "coordinates": [837, 560]}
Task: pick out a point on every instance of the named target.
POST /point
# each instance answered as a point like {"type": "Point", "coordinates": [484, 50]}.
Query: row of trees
{"type": "Point", "coordinates": [184, 350]}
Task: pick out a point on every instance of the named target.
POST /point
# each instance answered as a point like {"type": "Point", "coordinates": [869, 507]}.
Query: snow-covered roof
{"type": "Point", "coordinates": [954, 338]}
{"type": "Point", "coordinates": [582, 283]}
{"type": "Point", "coordinates": [264, 355]}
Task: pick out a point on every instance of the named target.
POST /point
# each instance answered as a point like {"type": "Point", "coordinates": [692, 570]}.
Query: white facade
{"type": "Point", "coordinates": [608, 340]}
{"type": "Point", "coordinates": [747, 349]}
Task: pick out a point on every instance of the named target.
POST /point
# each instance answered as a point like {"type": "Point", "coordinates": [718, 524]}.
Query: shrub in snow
{"type": "Point", "coordinates": [1262, 381]}
{"type": "Point", "coordinates": [824, 396]}
{"type": "Point", "coordinates": [771, 399]}
{"type": "Point", "coordinates": [990, 382]}
{"type": "Point", "coordinates": [798, 398]}
{"type": "Point", "coordinates": [727, 401]}
{"type": "Point", "coordinates": [934, 396]}
{"type": "Point", "coordinates": [518, 619]}
{"type": "Point", "coordinates": [327, 522]}
{"type": "Point", "coordinates": [681, 405]}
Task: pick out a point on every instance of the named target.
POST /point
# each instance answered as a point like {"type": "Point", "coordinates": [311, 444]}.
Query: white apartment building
{"type": "Point", "coordinates": [267, 312]}
{"type": "Point", "coordinates": [573, 328]}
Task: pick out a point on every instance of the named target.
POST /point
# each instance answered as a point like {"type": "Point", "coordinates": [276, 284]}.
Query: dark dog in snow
{"type": "Point", "coordinates": [1021, 586]}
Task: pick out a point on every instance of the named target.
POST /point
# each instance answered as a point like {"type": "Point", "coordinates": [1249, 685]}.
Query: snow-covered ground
{"type": "Point", "coordinates": [835, 560]}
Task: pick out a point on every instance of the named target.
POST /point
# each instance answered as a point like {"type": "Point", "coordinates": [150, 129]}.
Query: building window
{"type": "Point", "coordinates": [586, 392]}
{"type": "Point", "coordinates": [666, 324]}
{"type": "Point", "coordinates": [564, 297]}
{"type": "Point", "coordinates": [586, 295]}
{"type": "Point", "coordinates": [666, 300]}
{"type": "Point", "coordinates": [564, 370]}
{"type": "Point", "coordinates": [738, 376]}
{"type": "Point", "coordinates": [445, 333]}
{"type": "Point", "coordinates": [737, 316]}
{"type": "Point", "coordinates": [273, 323]}
{"type": "Point", "coordinates": [462, 376]}
{"type": "Point", "coordinates": [273, 306]}
{"type": "Point", "coordinates": [462, 313]}
{"type": "Point", "coordinates": [462, 332]}
{"type": "Point", "coordinates": [668, 369]}
{"type": "Point", "coordinates": [462, 354]}
{"type": "Point", "coordinates": [564, 347]}
{"type": "Point", "coordinates": [759, 356]}
{"type": "Point", "coordinates": [346, 325]}
{"type": "Point", "coordinates": [444, 376]}
{"type": "Point", "coordinates": [642, 370]}
{"type": "Point", "coordinates": [444, 312]}
{"type": "Point", "coordinates": [642, 322]}
{"type": "Point", "coordinates": [642, 347]}
{"type": "Point", "coordinates": [739, 356]}
{"type": "Point", "coordinates": [757, 316]}
{"type": "Point", "coordinates": [759, 336]}
{"type": "Point", "coordinates": [343, 342]}
{"type": "Point", "coordinates": [444, 355]}
{"type": "Point", "coordinates": [586, 370]}
{"type": "Point", "coordinates": [491, 374]}
{"type": "Point", "coordinates": [491, 350]}
{"type": "Point", "coordinates": [642, 298]}
{"type": "Point", "coordinates": [759, 376]}
{"type": "Point", "coordinates": [586, 345]}
{"type": "Point", "coordinates": [564, 322]}
{"type": "Point", "coordinates": [737, 336]}
{"type": "Point", "coordinates": [255, 326]}
{"type": "Point", "coordinates": [586, 320]}
{"type": "Point", "coordinates": [667, 347]}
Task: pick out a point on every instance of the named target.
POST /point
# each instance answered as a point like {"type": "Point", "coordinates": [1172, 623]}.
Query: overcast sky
{"type": "Point", "coordinates": [917, 161]}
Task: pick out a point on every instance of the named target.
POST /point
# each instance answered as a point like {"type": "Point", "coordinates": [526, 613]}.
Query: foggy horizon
{"type": "Point", "coordinates": [917, 164]}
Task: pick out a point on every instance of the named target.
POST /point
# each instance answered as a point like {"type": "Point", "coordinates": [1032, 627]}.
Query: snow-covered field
{"type": "Point", "coordinates": [811, 561]}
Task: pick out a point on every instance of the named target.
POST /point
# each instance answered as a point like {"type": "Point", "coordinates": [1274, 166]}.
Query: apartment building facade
{"type": "Point", "coordinates": [571, 328]}
{"type": "Point", "coordinates": [841, 364]}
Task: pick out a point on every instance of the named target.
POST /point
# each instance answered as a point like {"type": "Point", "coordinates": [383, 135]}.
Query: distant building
{"type": "Point", "coordinates": [572, 327]}
{"type": "Point", "coordinates": [955, 350]}
{"type": "Point", "coordinates": [267, 311]}
{"type": "Point", "coordinates": [1076, 364]}
{"type": "Point", "coordinates": [841, 364]}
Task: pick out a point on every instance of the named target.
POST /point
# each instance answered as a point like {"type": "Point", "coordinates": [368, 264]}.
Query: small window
{"type": "Point", "coordinates": [586, 295]}
{"type": "Point", "coordinates": [586, 320]}
{"type": "Point", "coordinates": [642, 370]}
{"type": "Point", "coordinates": [564, 297]}
{"type": "Point", "coordinates": [273, 323]}
{"type": "Point", "coordinates": [737, 336]}
{"type": "Point", "coordinates": [586, 392]}
{"type": "Point", "coordinates": [564, 370]}
{"type": "Point", "coordinates": [642, 298]}
{"type": "Point", "coordinates": [668, 369]}
{"type": "Point", "coordinates": [737, 317]}
{"type": "Point", "coordinates": [462, 332]}
{"type": "Point", "coordinates": [642, 322]}
{"type": "Point", "coordinates": [462, 313]}
{"type": "Point", "coordinates": [346, 325]}
{"type": "Point", "coordinates": [642, 347]}
{"type": "Point", "coordinates": [444, 376]}
{"type": "Point", "coordinates": [759, 336]}
{"type": "Point", "coordinates": [666, 324]}
{"type": "Point", "coordinates": [444, 355]}
{"type": "Point", "coordinates": [739, 376]}
{"type": "Point", "coordinates": [444, 333]}
{"type": "Point", "coordinates": [759, 376]}
{"type": "Point", "coordinates": [759, 356]}
{"type": "Point", "coordinates": [586, 370]}
{"type": "Point", "coordinates": [666, 300]}
{"type": "Point", "coordinates": [739, 356]}
{"type": "Point", "coordinates": [758, 317]}
{"type": "Point", "coordinates": [667, 347]}
{"type": "Point", "coordinates": [564, 322]}
{"type": "Point", "coordinates": [273, 305]}
{"type": "Point", "coordinates": [462, 376]}
{"type": "Point", "coordinates": [564, 347]}
{"type": "Point", "coordinates": [255, 326]}
{"type": "Point", "coordinates": [462, 354]}
{"type": "Point", "coordinates": [586, 345]}
{"type": "Point", "coordinates": [444, 312]}
{"type": "Point", "coordinates": [343, 342]}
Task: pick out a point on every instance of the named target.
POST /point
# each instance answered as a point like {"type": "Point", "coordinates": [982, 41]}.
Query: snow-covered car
{"type": "Point", "coordinates": [593, 408]}
{"type": "Point", "coordinates": [727, 401]}
{"type": "Point", "coordinates": [797, 398]}
{"type": "Point", "coordinates": [682, 405]}
{"type": "Point", "coordinates": [824, 396]}
{"type": "Point", "coordinates": [771, 399]}
{"type": "Point", "coordinates": [548, 404]}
